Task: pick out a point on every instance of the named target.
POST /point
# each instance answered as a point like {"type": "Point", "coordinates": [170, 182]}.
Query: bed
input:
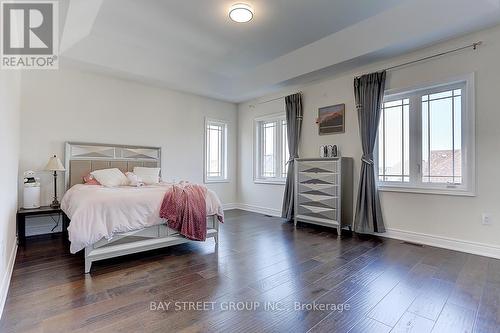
{"type": "Point", "coordinates": [111, 222]}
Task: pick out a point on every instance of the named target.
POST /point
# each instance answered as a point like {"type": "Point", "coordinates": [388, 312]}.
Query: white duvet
{"type": "Point", "coordinates": [98, 212]}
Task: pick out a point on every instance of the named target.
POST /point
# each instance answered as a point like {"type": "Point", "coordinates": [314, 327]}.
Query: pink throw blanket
{"type": "Point", "coordinates": [184, 207]}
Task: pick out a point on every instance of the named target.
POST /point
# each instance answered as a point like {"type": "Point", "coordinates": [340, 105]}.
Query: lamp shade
{"type": "Point", "coordinates": [54, 164]}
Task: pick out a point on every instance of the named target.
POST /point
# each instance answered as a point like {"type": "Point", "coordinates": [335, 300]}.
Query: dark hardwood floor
{"type": "Point", "coordinates": [288, 280]}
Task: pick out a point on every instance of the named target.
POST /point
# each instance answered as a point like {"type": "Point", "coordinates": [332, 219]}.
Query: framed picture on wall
{"type": "Point", "coordinates": [331, 119]}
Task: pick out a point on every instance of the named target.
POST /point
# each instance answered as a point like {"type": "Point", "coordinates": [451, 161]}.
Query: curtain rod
{"type": "Point", "coordinates": [271, 100]}
{"type": "Point", "coordinates": [473, 46]}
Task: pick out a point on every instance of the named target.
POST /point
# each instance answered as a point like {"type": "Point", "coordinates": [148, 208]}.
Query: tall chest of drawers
{"type": "Point", "coordinates": [324, 191]}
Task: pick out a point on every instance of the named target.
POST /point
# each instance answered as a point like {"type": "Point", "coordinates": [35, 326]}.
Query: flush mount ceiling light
{"type": "Point", "coordinates": [241, 13]}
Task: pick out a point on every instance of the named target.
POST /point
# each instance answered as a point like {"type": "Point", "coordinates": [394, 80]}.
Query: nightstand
{"type": "Point", "coordinates": [42, 211]}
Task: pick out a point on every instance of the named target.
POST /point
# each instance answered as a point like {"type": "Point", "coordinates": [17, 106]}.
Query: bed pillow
{"type": "Point", "coordinates": [148, 175]}
{"type": "Point", "coordinates": [134, 180]}
{"type": "Point", "coordinates": [110, 177]}
{"type": "Point", "coordinates": [90, 180]}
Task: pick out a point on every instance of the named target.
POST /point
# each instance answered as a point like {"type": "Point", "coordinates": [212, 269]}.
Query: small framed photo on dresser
{"type": "Point", "coordinates": [331, 119]}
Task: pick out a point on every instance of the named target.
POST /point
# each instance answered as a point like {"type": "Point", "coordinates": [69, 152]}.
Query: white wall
{"type": "Point", "coordinates": [70, 105]}
{"type": "Point", "coordinates": [432, 215]}
{"type": "Point", "coordinates": [9, 150]}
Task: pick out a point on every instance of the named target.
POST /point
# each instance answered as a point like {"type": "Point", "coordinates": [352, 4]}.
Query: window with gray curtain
{"type": "Point", "coordinates": [426, 139]}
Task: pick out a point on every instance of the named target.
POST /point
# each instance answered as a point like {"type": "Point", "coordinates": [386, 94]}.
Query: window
{"type": "Point", "coordinates": [215, 151]}
{"type": "Point", "coordinates": [393, 142]}
{"type": "Point", "coordinates": [426, 139]}
{"type": "Point", "coordinates": [271, 160]}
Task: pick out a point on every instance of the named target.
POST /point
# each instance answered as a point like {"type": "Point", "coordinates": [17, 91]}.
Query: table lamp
{"type": "Point", "coordinates": [55, 165]}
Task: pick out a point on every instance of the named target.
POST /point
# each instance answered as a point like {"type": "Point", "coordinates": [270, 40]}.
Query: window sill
{"type": "Point", "coordinates": [215, 181]}
{"type": "Point", "coordinates": [427, 190]}
{"type": "Point", "coordinates": [269, 181]}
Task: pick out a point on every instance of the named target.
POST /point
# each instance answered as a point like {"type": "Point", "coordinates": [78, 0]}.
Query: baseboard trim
{"type": "Point", "coordinates": [229, 206]}
{"type": "Point", "coordinates": [444, 242]}
{"type": "Point", "coordinates": [4, 287]}
{"type": "Point", "coordinates": [257, 209]}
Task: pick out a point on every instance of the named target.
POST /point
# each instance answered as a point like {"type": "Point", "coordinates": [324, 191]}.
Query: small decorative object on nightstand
{"type": "Point", "coordinates": [31, 190]}
{"type": "Point", "coordinates": [55, 165]}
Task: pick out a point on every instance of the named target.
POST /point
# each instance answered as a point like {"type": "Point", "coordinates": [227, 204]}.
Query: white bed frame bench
{"type": "Point", "coordinates": [82, 158]}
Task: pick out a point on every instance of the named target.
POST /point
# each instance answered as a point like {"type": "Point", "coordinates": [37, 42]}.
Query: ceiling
{"type": "Point", "coordinates": [192, 46]}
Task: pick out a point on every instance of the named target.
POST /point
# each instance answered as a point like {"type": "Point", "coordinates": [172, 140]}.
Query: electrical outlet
{"type": "Point", "coordinates": [486, 219]}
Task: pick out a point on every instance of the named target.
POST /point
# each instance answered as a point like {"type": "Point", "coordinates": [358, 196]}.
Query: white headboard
{"type": "Point", "coordinates": [83, 158]}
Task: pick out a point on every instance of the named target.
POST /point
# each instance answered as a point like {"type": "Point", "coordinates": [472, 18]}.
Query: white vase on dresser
{"type": "Point", "coordinates": [324, 192]}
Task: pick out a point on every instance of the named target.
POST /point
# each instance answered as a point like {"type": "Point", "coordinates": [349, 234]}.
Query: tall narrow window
{"type": "Point", "coordinates": [215, 151]}
{"type": "Point", "coordinates": [393, 141]}
{"type": "Point", "coordinates": [271, 160]}
{"type": "Point", "coordinates": [441, 137]}
{"type": "Point", "coordinates": [269, 129]}
{"type": "Point", "coordinates": [426, 139]}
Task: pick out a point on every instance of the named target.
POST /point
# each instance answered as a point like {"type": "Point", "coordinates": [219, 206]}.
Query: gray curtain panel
{"type": "Point", "coordinates": [369, 94]}
{"type": "Point", "coordinates": [294, 113]}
